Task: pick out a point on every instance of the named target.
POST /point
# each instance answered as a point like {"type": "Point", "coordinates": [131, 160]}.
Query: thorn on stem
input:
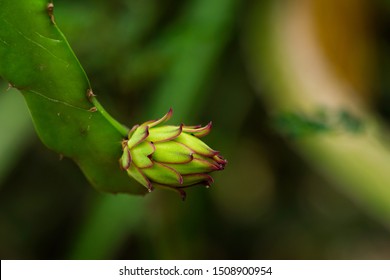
{"type": "Point", "coordinates": [90, 94]}
{"type": "Point", "coordinates": [50, 11]}
{"type": "Point", "coordinates": [9, 86]}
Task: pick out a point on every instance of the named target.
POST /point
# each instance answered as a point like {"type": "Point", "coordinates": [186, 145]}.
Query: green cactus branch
{"type": "Point", "coordinates": [36, 59]}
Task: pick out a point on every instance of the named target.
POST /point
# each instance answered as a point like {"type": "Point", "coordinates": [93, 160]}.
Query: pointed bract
{"type": "Point", "coordinates": [163, 174]}
{"type": "Point", "coordinates": [193, 179]}
{"type": "Point", "coordinates": [195, 144]}
{"type": "Point", "coordinates": [125, 160]}
{"type": "Point", "coordinates": [142, 153]}
{"type": "Point", "coordinates": [139, 135]}
{"type": "Point", "coordinates": [195, 166]}
{"type": "Point", "coordinates": [172, 152]}
{"type": "Point", "coordinates": [198, 131]}
{"type": "Point", "coordinates": [134, 172]}
{"type": "Point", "coordinates": [164, 133]}
{"type": "Point", "coordinates": [165, 118]}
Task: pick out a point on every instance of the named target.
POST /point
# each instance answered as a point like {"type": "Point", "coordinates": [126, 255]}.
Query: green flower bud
{"type": "Point", "coordinates": [170, 156]}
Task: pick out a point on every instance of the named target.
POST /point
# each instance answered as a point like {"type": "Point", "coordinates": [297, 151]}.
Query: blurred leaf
{"type": "Point", "coordinates": [296, 125]}
{"type": "Point", "coordinates": [301, 80]}
{"type": "Point", "coordinates": [195, 42]}
{"type": "Point", "coordinates": [16, 128]}
{"type": "Point", "coordinates": [107, 225]}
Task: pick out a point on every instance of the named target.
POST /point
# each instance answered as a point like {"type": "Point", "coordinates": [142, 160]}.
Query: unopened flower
{"type": "Point", "coordinates": [169, 156]}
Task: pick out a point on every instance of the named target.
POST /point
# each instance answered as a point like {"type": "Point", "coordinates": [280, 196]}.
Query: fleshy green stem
{"type": "Point", "coordinates": [122, 129]}
{"type": "Point", "coordinates": [36, 58]}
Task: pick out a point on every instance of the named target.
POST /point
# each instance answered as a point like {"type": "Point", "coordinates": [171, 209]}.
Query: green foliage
{"type": "Point", "coordinates": [36, 59]}
{"type": "Point", "coordinates": [296, 125]}
{"type": "Point", "coordinates": [16, 122]}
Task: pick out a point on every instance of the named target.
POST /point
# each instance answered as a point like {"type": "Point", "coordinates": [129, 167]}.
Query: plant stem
{"type": "Point", "coordinates": [120, 127]}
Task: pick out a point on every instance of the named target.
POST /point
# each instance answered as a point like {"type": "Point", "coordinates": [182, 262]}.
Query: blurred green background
{"type": "Point", "coordinates": [279, 79]}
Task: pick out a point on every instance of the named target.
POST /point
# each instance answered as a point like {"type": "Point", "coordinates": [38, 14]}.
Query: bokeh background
{"type": "Point", "coordinates": [299, 95]}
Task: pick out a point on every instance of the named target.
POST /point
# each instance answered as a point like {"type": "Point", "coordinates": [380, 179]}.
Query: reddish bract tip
{"type": "Point", "coordinates": [220, 160]}
{"type": "Point", "coordinates": [198, 131]}
{"type": "Point", "coordinates": [149, 185]}
{"type": "Point", "coordinates": [169, 114]}
{"type": "Point", "coordinates": [165, 118]}
{"type": "Point", "coordinates": [210, 180]}
{"type": "Point", "coordinates": [183, 194]}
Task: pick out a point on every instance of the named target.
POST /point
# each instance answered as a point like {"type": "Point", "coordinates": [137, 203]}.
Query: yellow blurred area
{"type": "Point", "coordinates": [345, 33]}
